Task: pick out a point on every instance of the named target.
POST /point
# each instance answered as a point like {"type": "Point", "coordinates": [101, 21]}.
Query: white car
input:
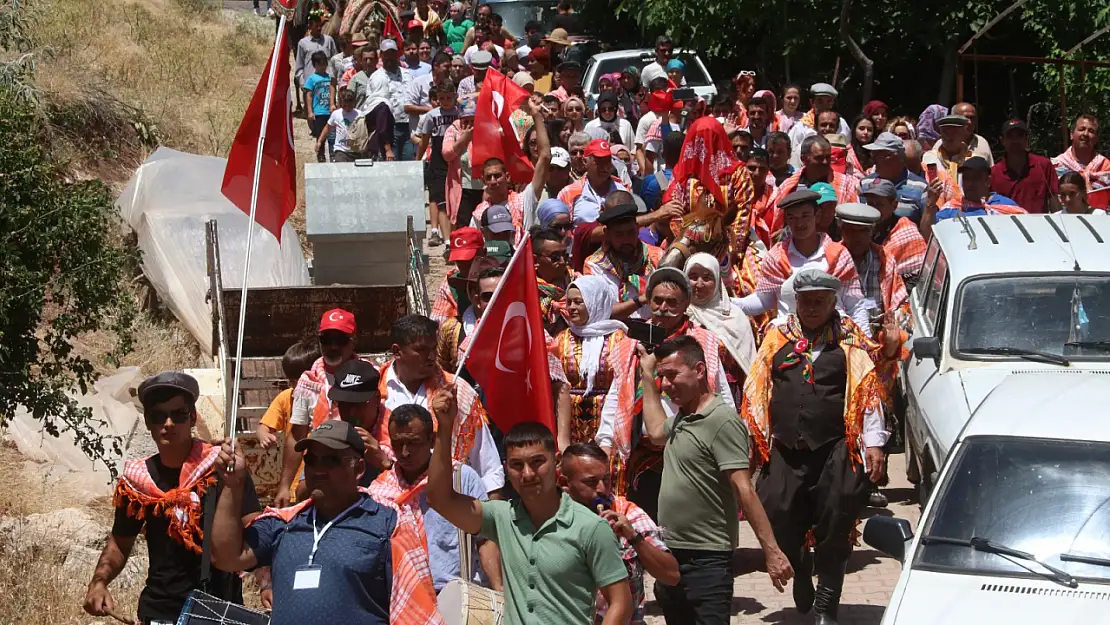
{"type": "Point", "coordinates": [1007, 308]}
{"type": "Point", "coordinates": [1018, 530]}
{"type": "Point", "coordinates": [697, 77]}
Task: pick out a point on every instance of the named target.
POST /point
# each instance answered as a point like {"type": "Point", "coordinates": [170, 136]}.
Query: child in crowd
{"type": "Point", "coordinates": [433, 126]}
{"type": "Point", "coordinates": [339, 127]}
{"type": "Point", "coordinates": [317, 99]}
{"type": "Point", "coordinates": [297, 360]}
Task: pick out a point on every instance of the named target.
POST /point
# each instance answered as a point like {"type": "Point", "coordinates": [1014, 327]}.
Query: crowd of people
{"type": "Point", "coordinates": [723, 287]}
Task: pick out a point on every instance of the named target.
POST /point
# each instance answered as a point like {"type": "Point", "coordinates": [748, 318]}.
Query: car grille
{"type": "Point", "coordinates": [1060, 371]}
{"type": "Point", "coordinates": [1043, 591]}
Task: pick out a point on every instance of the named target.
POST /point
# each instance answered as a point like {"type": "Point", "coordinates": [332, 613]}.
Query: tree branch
{"type": "Point", "coordinates": [857, 53]}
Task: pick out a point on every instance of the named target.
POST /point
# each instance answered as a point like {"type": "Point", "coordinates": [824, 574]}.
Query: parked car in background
{"type": "Point", "coordinates": [1010, 313]}
{"type": "Point", "coordinates": [697, 77]}
{"type": "Point", "coordinates": [1018, 530]}
{"type": "Point", "coordinates": [516, 13]}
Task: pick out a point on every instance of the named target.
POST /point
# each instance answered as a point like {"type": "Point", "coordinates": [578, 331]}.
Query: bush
{"type": "Point", "coordinates": [61, 262]}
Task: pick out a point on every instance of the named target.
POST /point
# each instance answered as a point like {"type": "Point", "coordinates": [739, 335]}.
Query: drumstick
{"type": "Point", "coordinates": [123, 619]}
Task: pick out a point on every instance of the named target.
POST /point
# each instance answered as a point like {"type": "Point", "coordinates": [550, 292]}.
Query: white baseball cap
{"type": "Point", "coordinates": [560, 157]}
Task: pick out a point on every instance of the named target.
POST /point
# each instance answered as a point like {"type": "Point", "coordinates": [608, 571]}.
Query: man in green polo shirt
{"type": "Point", "coordinates": [555, 554]}
{"type": "Point", "coordinates": [705, 472]}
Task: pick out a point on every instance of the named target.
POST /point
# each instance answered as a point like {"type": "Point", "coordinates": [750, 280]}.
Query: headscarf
{"type": "Point", "coordinates": [872, 107]}
{"type": "Point", "coordinates": [550, 209]}
{"type": "Point", "coordinates": [721, 317]}
{"type": "Point", "coordinates": [659, 102]}
{"type": "Point", "coordinates": [707, 155]}
{"type": "Point", "coordinates": [676, 64]}
{"type": "Point", "coordinates": [613, 77]}
{"type": "Point", "coordinates": [615, 149]}
{"type": "Point", "coordinates": [926, 122]}
{"type": "Point", "coordinates": [611, 98]}
{"type": "Point", "coordinates": [633, 71]}
{"type": "Point", "coordinates": [771, 107]}
{"type": "Point", "coordinates": [599, 294]}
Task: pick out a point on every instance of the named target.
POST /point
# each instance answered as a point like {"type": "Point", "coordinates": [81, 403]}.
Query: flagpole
{"type": "Point", "coordinates": [482, 321]}
{"type": "Point", "coordinates": [232, 425]}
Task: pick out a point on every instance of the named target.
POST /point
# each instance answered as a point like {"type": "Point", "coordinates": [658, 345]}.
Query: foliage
{"type": "Point", "coordinates": [15, 40]}
{"type": "Point", "coordinates": [60, 269]}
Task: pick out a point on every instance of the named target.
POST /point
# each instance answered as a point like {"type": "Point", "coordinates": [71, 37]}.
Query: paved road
{"type": "Point", "coordinates": [867, 587]}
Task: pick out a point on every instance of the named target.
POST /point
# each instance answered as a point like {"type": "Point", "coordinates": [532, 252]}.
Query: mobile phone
{"type": "Point", "coordinates": [651, 336]}
{"type": "Point", "coordinates": [684, 94]}
{"type": "Point", "coordinates": [930, 172]}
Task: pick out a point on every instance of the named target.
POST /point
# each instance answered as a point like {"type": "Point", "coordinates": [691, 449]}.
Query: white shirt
{"type": "Point", "coordinates": [605, 428]}
{"type": "Point", "coordinates": [786, 302]}
{"type": "Point", "coordinates": [391, 88]}
{"type": "Point", "coordinates": [483, 456]}
{"type": "Point", "coordinates": [474, 48]}
{"type": "Point", "coordinates": [341, 122]}
{"type": "Point", "coordinates": [643, 126]}
{"type": "Point", "coordinates": [799, 132]}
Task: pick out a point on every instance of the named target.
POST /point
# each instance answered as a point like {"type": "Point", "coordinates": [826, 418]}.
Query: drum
{"type": "Point", "coordinates": [204, 609]}
{"type": "Point", "coordinates": [461, 603]}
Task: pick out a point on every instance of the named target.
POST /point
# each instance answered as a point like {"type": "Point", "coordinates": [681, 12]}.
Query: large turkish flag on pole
{"type": "Point", "coordinates": [508, 354]}
{"type": "Point", "coordinates": [261, 166]}
{"type": "Point", "coordinates": [494, 136]}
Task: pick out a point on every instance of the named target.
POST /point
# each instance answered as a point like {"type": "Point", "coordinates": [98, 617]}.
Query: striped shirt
{"type": "Point", "coordinates": [846, 187]}
{"type": "Point", "coordinates": [905, 245]}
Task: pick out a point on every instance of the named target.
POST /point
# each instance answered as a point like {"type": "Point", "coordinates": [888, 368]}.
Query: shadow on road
{"type": "Point", "coordinates": [849, 614]}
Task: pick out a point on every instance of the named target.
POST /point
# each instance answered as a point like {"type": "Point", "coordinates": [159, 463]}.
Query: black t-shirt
{"type": "Point", "coordinates": [174, 570]}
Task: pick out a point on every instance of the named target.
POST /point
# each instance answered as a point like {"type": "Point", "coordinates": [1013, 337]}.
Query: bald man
{"type": "Point", "coordinates": [976, 143]}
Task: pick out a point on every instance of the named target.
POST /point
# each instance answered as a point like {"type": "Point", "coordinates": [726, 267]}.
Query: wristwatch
{"type": "Point", "coordinates": [636, 539]}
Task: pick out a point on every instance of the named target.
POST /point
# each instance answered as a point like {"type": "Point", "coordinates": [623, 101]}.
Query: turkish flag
{"type": "Point", "coordinates": [390, 30]}
{"type": "Point", "coordinates": [277, 188]}
{"type": "Point", "coordinates": [494, 136]}
{"type": "Point", "coordinates": [508, 354]}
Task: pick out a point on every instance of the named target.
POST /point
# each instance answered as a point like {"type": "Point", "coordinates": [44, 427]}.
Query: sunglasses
{"type": "Point", "coordinates": [607, 109]}
{"type": "Point", "coordinates": [158, 417]}
{"type": "Point", "coordinates": [557, 256]}
{"type": "Point", "coordinates": [577, 152]}
{"type": "Point", "coordinates": [334, 341]}
{"type": "Point", "coordinates": [562, 227]}
{"type": "Point", "coordinates": [485, 296]}
{"type": "Point", "coordinates": [747, 72]}
{"type": "Point", "coordinates": [329, 461]}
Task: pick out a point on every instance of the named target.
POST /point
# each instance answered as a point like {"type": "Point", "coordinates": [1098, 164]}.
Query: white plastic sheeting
{"type": "Point", "coordinates": [167, 202]}
{"type": "Point", "coordinates": [61, 458]}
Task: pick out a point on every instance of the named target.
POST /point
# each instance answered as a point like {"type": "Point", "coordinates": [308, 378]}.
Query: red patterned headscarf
{"type": "Point", "coordinates": [707, 155]}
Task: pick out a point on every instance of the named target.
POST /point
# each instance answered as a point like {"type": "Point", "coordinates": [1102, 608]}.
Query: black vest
{"type": "Point", "coordinates": [808, 413]}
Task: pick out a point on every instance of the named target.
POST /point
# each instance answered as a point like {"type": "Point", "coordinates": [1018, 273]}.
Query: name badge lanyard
{"type": "Point", "coordinates": [318, 534]}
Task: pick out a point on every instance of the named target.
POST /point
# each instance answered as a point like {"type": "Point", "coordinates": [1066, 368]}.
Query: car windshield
{"type": "Point", "coordinates": [516, 13]}
{"type": "Point", "coordinates": [1062, 314]}
{"type": "Point", "coordinates": [695, 77]}
{"type": "Point", "coordinates": [1045, 497]}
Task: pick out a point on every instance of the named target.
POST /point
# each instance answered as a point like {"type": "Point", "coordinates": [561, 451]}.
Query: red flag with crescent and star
{"type": "Point", "coordinates": [494, 136]}
{"type": "Point", "coordinates": [390, 30]}
{"type": "Point", "coordinates": [508, 354]}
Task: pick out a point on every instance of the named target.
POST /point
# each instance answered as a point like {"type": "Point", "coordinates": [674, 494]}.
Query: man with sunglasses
{"type": "Point", "coordinates": [331, 554]}
{"type": "Point", "coordinates": [337, 345]}
{"type": "Point", "coordinates": [163, 496]}
{"type": "Point", "coordinates": [586, 196]}
{"type": "Point", "coordinates": [553, 276]}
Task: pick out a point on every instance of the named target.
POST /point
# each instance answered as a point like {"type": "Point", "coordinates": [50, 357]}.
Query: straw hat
{"type": "Point", "coordinates": [558, 37]}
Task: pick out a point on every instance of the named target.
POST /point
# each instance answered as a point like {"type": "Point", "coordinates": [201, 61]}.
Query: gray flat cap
{"type": "Point", "coordinates": [481, 59]}
{"type": "Point", "coordinates": [176, 380]}
{"type": "Point", "coordinates": [799, 198]}
{"type": "Point", "coordinates": [815, 280]}
{"type": "Point", "coordinates": [859, 214]}
{"type": "Point", "coordinates": [669, 274]}
{"type": "Point", "coordinates": [888, 142]}
{"type": "Point", "coordinates": [880, 187]}
{"type": "Point", "coordinates": [823, 88]}
{"type": "Point", "coordinates": [953, 120]}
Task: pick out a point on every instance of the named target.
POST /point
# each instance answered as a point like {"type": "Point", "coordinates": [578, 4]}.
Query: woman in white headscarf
{"type": "Point", "coordinates": [713, 310]}
{"type": "Point", "coordinates": [583, 349]}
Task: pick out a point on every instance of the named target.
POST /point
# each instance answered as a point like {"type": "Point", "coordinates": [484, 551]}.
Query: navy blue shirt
{"type": "Point", "coordinates": [355, 556]}
{"type": "Point", "coordinates": [911, 193]}
{"type": "Point", "coordinates": [650, 191]}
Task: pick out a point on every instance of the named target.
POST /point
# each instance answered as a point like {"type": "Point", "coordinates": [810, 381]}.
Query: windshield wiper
{"type": "Point", "coordinates": [1074, 557]}
{"type": "Point", "coordinates": [987, 546]}
{"type": "Point", "coordinates": [1103, 345]}
{"type": "Point", "coordinates": [1027, 354]}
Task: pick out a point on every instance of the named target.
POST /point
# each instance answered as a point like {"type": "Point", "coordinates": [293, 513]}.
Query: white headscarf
{"type": "Point", "coordinates": [720, 317]}
{"type": "Point", "coordinates": [599, 295]}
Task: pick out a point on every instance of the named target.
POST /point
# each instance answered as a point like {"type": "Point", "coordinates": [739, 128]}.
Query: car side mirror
{"type": "Point", "coordinates": [927, 347]}
{"type": "Point", "coordinates": [888, 534]}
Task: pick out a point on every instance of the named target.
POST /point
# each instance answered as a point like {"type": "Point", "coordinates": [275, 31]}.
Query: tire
{"type": "Point", "coordinates": [913, 468]}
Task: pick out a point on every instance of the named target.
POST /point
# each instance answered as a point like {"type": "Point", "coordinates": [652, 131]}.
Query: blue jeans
{"type": "Point", "coordinates": [403, 149]}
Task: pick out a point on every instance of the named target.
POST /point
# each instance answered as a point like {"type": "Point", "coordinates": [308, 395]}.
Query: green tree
{"type": "Point", "coordinates": [61, 262]}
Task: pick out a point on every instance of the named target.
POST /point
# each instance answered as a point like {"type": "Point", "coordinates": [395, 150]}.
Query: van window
{"type": "Point", "coordinates": [934, 296]}
{"type": "Point", "coordinates": [695, 77]}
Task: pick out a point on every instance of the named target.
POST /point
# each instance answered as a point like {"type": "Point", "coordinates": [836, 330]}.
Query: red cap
{"type": "Point", "coordinates": [415, 24]}
{"type": "Point", "coordinates": [465, 244]}
{"type": "Point", "coordinates": [598, 148]}
{"type": "Point", "coordinates": [338, 319]}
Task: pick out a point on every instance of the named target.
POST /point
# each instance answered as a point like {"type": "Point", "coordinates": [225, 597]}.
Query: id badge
{"type": "Point", "coordinates": [307, 578]}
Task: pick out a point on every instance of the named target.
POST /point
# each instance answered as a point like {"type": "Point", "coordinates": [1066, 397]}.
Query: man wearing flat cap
{"type": "Point", "coordinates": [822, 96]}
{"type": "Point", "coordinates": [952, 149]}
{"type": "Point", "coordinates": [623, 258]}
{"type": "Point", "coordinates": [812, 401]}
{"type": "Point", "coordinates": [163, 497]}
{"type": "Point", "coordinates": [804, 248]}
{"type": "Point", "coordinates": [899, 235]}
